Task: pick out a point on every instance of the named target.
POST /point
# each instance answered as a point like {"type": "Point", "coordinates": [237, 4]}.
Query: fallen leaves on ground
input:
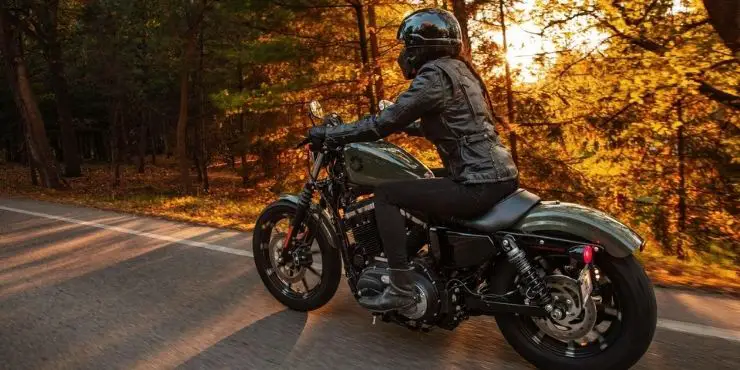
{"type": "Point", "coordinates": [154, 193]}
{"type": "Point", "coordinates": [701, 272]}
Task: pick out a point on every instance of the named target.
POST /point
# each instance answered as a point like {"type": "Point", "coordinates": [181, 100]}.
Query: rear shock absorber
{"type": "Point", "coordinates": [528, 275]}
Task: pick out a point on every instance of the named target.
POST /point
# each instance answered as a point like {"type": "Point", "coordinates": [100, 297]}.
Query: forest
{"type": "Point", "coordinates": [192, 109]}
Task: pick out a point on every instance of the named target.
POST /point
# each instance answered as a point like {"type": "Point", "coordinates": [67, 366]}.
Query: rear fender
{"type": "Point", "coordinates": [320, 215]}
{"type": "Point", "coordinates": [588, 223]}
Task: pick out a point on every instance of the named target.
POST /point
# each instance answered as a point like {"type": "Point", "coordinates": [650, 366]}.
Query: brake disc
{"type": "Point", "coordinates": [580, 317]}
{"type": "Point", "coordinates": [289, 272]}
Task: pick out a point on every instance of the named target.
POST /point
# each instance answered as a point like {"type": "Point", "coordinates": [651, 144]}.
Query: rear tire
{"type": "Point", "coordinates": [637, 324]}
{"type": "Point", "coordinates": [330, 272]}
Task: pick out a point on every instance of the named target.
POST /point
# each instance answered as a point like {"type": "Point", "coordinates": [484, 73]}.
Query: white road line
{"type": "Point", "coordinates": [677, 326]}
{"type": "Point", "coordinates": [697, 329]}
{"type": "Point", "coordinates": [192, 243]}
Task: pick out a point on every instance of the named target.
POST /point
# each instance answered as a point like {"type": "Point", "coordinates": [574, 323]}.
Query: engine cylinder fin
{"type": "Point", "coordinates": [363, 231]}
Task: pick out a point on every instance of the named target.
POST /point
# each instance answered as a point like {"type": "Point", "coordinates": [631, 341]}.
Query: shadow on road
{"type": "Point", "coordinates": [262, 345]}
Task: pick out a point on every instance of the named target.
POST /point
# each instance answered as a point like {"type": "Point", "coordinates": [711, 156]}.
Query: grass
{"type": "Point", "coordinates": [231, 205]}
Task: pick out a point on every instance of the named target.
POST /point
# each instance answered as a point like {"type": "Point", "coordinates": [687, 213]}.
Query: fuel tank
{"type": "Point", "coordinates": [370, 164]}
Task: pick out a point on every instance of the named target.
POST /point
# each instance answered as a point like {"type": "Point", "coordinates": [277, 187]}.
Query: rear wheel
{"type": "Point", "coordinates": [308, 278]}
{"type": "Point", "coordinates": [611, 330]}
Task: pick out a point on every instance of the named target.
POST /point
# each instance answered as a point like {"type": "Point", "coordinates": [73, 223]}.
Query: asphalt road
{"type": "Point", "coordinates": [88, 289]}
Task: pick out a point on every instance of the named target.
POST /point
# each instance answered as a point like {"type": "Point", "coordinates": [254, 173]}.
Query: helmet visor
{"type": "Point", "coordinates": [430, 27]}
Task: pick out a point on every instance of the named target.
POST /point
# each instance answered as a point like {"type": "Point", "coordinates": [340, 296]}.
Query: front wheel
{"type": "Point", "coordinates": [309, 277]}
{"type": "Point", "coordinates": [611, 330]}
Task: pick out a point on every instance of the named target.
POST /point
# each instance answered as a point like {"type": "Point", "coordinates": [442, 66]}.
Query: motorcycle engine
{"type": "Point", "coordinates": [365, 242]}
{"type": "Point", "coordinates": [365, 255]}
{"type": "Point", "coordinates": [362, 233]}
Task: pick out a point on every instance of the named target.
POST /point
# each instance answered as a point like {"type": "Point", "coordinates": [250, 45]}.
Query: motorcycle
{"type": "Point", "coordinates": [560, 279]}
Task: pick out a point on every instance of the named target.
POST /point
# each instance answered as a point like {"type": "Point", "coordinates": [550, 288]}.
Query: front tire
{"type": "Point", "coordinates": [282, 284]}
{"type": "Point", "coordinates": [620, 348]}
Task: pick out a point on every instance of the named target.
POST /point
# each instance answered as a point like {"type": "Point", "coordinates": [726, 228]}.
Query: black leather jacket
{"type": "Point", "coordinates": [454, 116]}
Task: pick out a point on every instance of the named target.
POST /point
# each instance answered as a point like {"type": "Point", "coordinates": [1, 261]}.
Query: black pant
{"type": "Point", "coordinates": [438, 197]}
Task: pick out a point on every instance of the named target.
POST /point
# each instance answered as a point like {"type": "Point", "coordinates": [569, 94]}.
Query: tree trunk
{"type": "Point", "coordinates": [244, 170]}
{"type": "Point", "coordinates": [681, 184]}
{"type": "Point", "coordinates": [458, 8]}
{"type": "Point", "coordinates": [375, 51]}
{"type": "Point", "coordinates": [47, 34]}
{"type": "Point", "coordinates": [20, 84]}
{"type": "Point", "coordinates": [242, 130]}
{"type": "Point", "coordinates": [28, 159]}
{"type": "Point", "coordinates": [182, 122]}
{"type": "Point", "coordinates": [196, 159]}
{"type": "Point", "coordinates": [130, 150]}
{"type": "Point", "coordinates": [141, 156]}
{"type": "Point", "coordinates": [362, 30]}
{"type": "Point", "coordinates": [203, 143]}
{"type": "Point", "coordinates": [358, 98]}
{"type": "Point", "coordinates": [63, 102]}
{"type": "Point", "coordinates": [32, 167]}
{"type": "Point", "coordinates": [204, 152]}
{"type": "Point", "coordinates": [660, 223]}
{"type": "Point", "coordinates": [8, 148]}
{"type": "Point", "coordinates": [153, 137]}
{"type": "Point", "coordinates": [116, 140]}
{"type": "Point", "coordinates": [200, 143]}
{"type": "Point", "coordinates": [725, 18]}
{"type": "Point", "coordinates": [511, 114]}
{"type": "Point", "coordinates": [105, 144]}
{"type": "Point", "coordinates": [165, 139]}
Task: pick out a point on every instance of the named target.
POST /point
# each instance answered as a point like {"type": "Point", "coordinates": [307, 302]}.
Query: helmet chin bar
{"type": "Point", "coordinates": [407, 63]}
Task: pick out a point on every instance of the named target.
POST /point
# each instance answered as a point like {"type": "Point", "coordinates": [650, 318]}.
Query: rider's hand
{"type": "Point", "coordinates": [316, 137]}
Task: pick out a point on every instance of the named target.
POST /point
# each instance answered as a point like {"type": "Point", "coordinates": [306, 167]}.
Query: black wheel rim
{"type": "Point", "coordinates": [297, 278]}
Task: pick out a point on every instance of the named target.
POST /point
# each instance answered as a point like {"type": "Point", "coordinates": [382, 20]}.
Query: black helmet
{"type": "Point", "coordinates": [427, 34]}
{"type": "Point", "coordinates": [430, 27]}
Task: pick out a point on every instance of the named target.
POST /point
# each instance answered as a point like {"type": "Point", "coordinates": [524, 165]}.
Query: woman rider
{"type": "Point", "coordinates": [457, 116]}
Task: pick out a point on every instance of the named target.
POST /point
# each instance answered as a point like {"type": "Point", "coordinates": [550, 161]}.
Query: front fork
{"type": "Point", "coordinates": [304, 204]}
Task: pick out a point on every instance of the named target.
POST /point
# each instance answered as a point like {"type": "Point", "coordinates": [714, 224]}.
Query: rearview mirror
{"type": "Point", "coordinates": [315, 109]}
{"type": "Point", "coordinates": [384, 104]}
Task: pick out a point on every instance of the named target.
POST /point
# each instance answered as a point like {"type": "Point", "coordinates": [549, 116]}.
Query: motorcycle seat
{"type": "Point", "coordinates": [504, 214]}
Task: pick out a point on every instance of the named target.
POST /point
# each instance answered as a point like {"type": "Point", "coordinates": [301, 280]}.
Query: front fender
{"type": "Point", "coordinates": [588, 223]}
{"type": "Point", "coordinates": [321, 215]}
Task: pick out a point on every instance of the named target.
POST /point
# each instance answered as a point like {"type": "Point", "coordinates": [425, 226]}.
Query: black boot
{"type": "Point", "coordinates": [399, 294]}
